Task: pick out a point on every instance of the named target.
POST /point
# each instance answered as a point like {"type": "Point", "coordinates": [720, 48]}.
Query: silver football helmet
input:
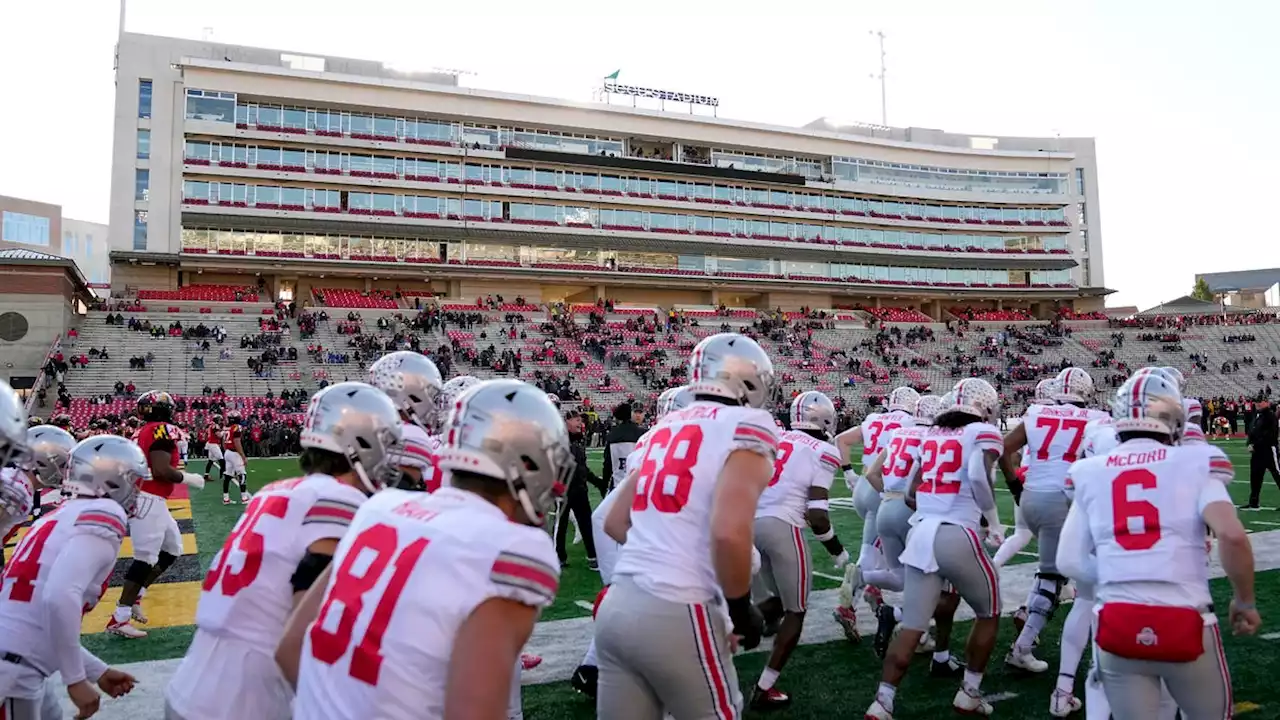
{"type": "Point", "coordinates": [450, 392]}
{"type": "Point", "coordinates": [976, 397]}
{"type": "Point", "coordinates": [508, 430]}
{"type": "Point", "coordinates": [360, 423]}
{"type": "Point", "coordinates": [49, 453]}
{"type": "Point", "coordinates": [1045, 390]}
{"type": "Point", "coordinates": [1074, 386]}
{"type": "Point", "coordinates": [412, 382]}
{"type": "Point", "coordinates": [107, 466]}
{"type": "Point", "coordinates": [731, 366]}
{"type": "Point", "coordinates": [13, 425]}
{"type": "Point", "coordinates": [904, 399]}
{"type": "Point", "coordinates": [1149, 402]}
{"type": "Point", "coordinates": [813, 411]}
{"type": "Point", "coordinates": [1177, 376]}
{"type": "Point", "coordinates": [672, 399]}
{"type": "Point", "coordinates": [927, 409]}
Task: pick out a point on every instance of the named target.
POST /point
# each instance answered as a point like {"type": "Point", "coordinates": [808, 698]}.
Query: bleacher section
{"type": "Point", "coordinates": [855, 354]}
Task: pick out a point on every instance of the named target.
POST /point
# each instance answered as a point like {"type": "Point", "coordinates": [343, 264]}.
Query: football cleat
{"type": "Point", "coordinates": [226, 499]}
{"type": "Point", "coordinates": [136, 613]}
{"type": "Point", "coordinates": [927, 644]}
{"type": "Point", "coordinates": [873, 597]}
{"type": "Point", "coordinates": [969, 702]}
{"type": "Point", "coordinates": [1027, 662]}
{"type": "Point", "coordinates": [885, 623]}
{"type": "Point", "coordinates": [951, 668]}
{"type": "Point", "coordinates": [124, 629]}
{"type": "Point", "coordinates": [848, 622]}
{"type": "Point", "coordinates": [529, 662]}
{"type": "Point", "coordinates": [245, 498]}
{"type": "Point", "coordinates": [584, 680]}
{"type": "Point", "coordinates": [771, 699]}
{"type": "Point", "coordinates": [877, 712]}
{"type": "Point", "coordinates": [1062, 704]}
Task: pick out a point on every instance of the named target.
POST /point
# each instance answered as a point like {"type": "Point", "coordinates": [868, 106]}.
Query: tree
{"type": "Point", "coordinates": [1201, 291]}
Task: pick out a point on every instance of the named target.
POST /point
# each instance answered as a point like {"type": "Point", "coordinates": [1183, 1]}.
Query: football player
{"type": "Point", "coordinates": [157, 541]}
{"type": "Point", "coordinates": [413, 383]}
{"type": "Point", "coordinates": [586, 676]}
{"type": "Point", "coordinates": [1192, 433]}
{"type": "Point", "coordinates": [40, 470]}
{"type": "Point", "coordinates": [1045, 392]}
{"type": "Point", "coordinates": [17, 490]}
{"type": "Point", "coordinates": [685, 520]}
{"type": "Point", "coordinates": [797, 495]}
{"type": "Point", "coordinates": [953, 494]}
{"type": "Point", "coordinates": [282, 543]}
{"type": "Point", "coordinates": [449, 395]}
{"type": "Point", "coordinates": [233, 469]}
{"type": "Point", "coordinates": [432, 596]}
{"type": "Point", "coordinates": [58, 572]}
{"type": "Point", "coordinates": [891, 474]}
{"type": "Point", "coordinates": [1054, 437]}
{"type": "Point", "coordinates": [213, 448]}
{"type": "Point", "coordinates": [872, 434]}
{"type": "Point", "coordinates": [1156, 624]}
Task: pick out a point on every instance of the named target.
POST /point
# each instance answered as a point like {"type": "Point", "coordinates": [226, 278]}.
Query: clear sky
{"type": "Point", "coordinates": [1183, 96]}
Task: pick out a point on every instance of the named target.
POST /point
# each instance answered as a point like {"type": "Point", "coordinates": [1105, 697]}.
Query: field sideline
{"type": "Point", "coordinates": [826, 673]}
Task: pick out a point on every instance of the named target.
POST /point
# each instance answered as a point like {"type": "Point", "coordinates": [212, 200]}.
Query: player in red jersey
{"type": "Point", "coordinates": [233, 469]}
{"type": "Point", "coordinates": [157, 542]}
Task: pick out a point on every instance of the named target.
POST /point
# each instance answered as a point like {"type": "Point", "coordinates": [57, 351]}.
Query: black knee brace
{"type": "Point", "coordinates": [1048, 589]}
{"type": "Point", "coordinates": [138, 572]}
{"type": "Point", "coordinates": [165, 561]}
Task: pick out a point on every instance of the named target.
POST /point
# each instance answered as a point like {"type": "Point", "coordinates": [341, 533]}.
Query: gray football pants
{"type": "Point", "coordinates": [963, 562]}
{"type": "Point", "coordinates": [866, 502]}
{"type": "Point", "coordinates": [786, 568]}
{"type": "Point", "coordinates": [893, 523]}
{"type": "Point", "coordinates": [1044, 512]}
{"type": "Point", "coordinates": [46, 707]}
{"type": "Point", "coordinates": [1201, 688]}
{"type": "Point", "coordinates": [658, 655]}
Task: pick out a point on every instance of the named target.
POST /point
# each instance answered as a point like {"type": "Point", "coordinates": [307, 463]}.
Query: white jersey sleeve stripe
{"type": "Point", "coordinates": [525, 573]}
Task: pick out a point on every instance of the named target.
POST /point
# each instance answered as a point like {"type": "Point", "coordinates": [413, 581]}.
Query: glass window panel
{"type": "Point", "coordinates": [270, 115]}
{"type": "Point", "coordinates": [211, 109]}
{"type": "Point", "coordinates": [295, 158]}
{"type": "Point", "coordinates": [383, 201]}
{"type": "Point", "coordinates": [269, 156]}
{"type": "Point", "coordinates": [611, 183]}
{"type": "Point", "coordinates": [142, 184]}
{"type": "Point", "coordinates": [545, 213]}
{"type": "Point", "coordinates": [361, 124]}
{"type": "Point", "coordinates": [144, 144]}
{"type": "Point", "coordinates": [144, 111]}
{"type": "Point", "coordinates": [546, 177]}
{"type": "Point", "coordinates": [384, 165]}
{"type": "Point", "coordinates": [384, 126]}
{"type": "Point", "coordinates": [293, 196]}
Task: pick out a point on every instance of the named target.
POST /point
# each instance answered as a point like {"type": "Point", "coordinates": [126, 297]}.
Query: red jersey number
{"type": "Point", "coordinates": [1124, 511]}
{"type": "Point", "coordinates": [1053, 425]}
{"type": "Point", "coordinates": [679, 453]}
{"type": "Point", "coordinates": [350, 589]}
{"type": "Point", "coordinates": [871, 443]}
{"type": "Point", "coordinates": [784, 452]}
{"type": "Point", "coordinates": [246, 540]}
{"type": "Point", "coordinates": [898, 463]}
{"type": "Point", "coordinates": [24, 567]}
{"type": "Point", "coordinates": [939, 461]}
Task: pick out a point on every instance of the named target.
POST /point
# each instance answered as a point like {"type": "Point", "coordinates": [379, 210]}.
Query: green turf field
{"type": "Point", "coordinates": [822, 677]}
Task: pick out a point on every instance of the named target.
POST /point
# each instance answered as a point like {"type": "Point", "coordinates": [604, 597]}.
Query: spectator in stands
{"type": "Point", "coordinates": [130, 389]}
{"type": "Point", "coordinates": [119, 386]}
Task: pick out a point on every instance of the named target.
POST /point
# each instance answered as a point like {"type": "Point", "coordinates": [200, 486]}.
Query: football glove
{"type": "Point", "coordinates": [748, 622]}
{"type": "Point", "coordinates": [193, 480]}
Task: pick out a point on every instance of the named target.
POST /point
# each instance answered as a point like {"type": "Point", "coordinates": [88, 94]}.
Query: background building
{"type": "Point", "coordinates": [1246, 288]}
{"type": "Point", "coordinates": [247, 166]}
{"type": "Point", "coordinates": [30, 225]}
{"type": "Point", "coordinates": [86, 243]}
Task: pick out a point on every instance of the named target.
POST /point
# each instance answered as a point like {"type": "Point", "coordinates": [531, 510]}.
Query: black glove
{"type": "Point", "coordinates": [748, 622]}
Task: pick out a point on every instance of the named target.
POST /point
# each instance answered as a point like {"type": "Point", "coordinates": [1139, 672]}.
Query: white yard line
{"type": "Point", "coordinates": [837, 578]}
{"type": "Point", "coordinates": [1270, 636]}
{"type": "Point", "coordinates": [584, 605]}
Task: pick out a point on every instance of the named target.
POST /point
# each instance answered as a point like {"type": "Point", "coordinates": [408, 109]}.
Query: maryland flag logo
{"type": "Point", "coordinates": [161, 432]}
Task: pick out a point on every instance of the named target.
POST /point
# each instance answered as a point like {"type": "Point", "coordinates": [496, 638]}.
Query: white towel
{"type": "Point", "coordinates": [919, 551]}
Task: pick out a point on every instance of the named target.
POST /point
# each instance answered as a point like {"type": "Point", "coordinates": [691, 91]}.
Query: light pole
{"type": "Point", "coordinates": [884, 103]}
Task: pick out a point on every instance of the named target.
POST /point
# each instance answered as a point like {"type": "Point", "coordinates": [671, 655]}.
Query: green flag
{"type": "Point", "coordinates": [613, 76]}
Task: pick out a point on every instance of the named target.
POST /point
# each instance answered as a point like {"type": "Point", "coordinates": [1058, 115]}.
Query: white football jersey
{"type": "Point", "coordinates": [17, 495]}
{"type": "Point", "coordinates": [668, 548]}
{"type": "Point", "coordinates": [945, 491]}
{"type": "Point", "coordinates": [1055, 439]}
{"type": "Point", "coordinates": [875, 431]}
{"type": "Point", "coordinates": [1100, 438]}
{"type": "Point", "coordinates": [414, 450]}
{"type": "Point", "coordinates": [248, 592]}
{"type": "Point", "coordinates": [903, 456]}
{"type": "Point", "coordinates": [1145, 503]}
{"type": "Point", "coordinates": [413, 568]}
{"type": "Point", "coordinates": [803, 462]}
{"type": "Point", "coordinates": [24, 627]}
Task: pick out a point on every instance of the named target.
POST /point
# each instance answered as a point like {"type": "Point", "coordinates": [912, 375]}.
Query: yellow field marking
{"type": "Point", "coordinates": [166, 605]}
{"type": "Point", "coordinates": [126, 547]}
{"type": "Point", "coordinates": [188, 546]}
{"type": "Point", "coordinates": [1246, 707]}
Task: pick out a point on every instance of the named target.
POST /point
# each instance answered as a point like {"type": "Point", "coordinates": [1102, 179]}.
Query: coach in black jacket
{"type": "Point", "coordinates": [622, 439]}
{"type": "Point", "coordinates": [576, 500]}
{"type": "Point", "coordinates": [1263, 437]}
